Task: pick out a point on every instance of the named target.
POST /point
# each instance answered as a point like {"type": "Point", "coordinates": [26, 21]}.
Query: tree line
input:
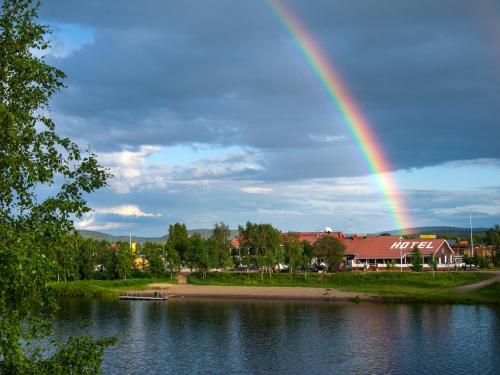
{"type": "Point", "coordinates": [261, 247]}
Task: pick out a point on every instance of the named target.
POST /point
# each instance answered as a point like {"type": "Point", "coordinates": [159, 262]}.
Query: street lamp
{"type": "Point", "coordinates": [401, 259]}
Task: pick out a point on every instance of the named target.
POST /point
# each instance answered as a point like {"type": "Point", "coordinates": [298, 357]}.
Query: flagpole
{"type": "Point", "coordinates": [471, 239]}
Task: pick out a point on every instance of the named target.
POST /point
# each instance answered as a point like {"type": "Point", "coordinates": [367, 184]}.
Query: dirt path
{"type": "Point", "coordinates": [249, 292]}
{"type": "Point", "coordinates": [182, 278]}
{"type": "Point", "coordinates": [478, 285]}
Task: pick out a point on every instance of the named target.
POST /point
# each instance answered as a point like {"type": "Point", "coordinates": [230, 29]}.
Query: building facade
{"type": "Point", "coordinates": [378, 252]}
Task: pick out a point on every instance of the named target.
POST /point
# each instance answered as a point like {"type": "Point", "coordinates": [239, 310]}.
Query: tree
{"type": "Point", "coordinates": [416, 259]}
{"type": "Point", "coordinates": [32, 157]}
{"type": "Point", "coordinates": [178, 238]}
{"type": "Point", "coordinates": [307, 248]}
{"type": "Point", "coordinates": [271, 250]}
{"type": "Point", "coordinates": [305, 263]}
{"type": "Point", "coordinates": [87, 254]}
{"type": "Point", "coordinates": [65, 252]}
{"type": "Point", "coordinates": [492, 238]}
{"type": "Point", "coordinates": [331, 250]}
{"type": "Point", "coordinates": [434, 265]}
{"type": "Point", "coordinates": [199, 254]}
{"type": "Point", "coordinates": [106, 264]}
{"type": "Point", "coordinates": [173, 260]}
{"type": "Point", "coordinates": [246, 237]}
{"type": "Point", "coordinates": [294, 250]}
{"type": "Point", "coordinates": [260, 244]}
{"type": "Point", "coordinates": [222, 249]}
{"type": "Point", "coordinates": [123, 260]}
{"type": "Point", "coordinates": [391, 265]}
{"type": "Point", "coordinates": [155, 255]}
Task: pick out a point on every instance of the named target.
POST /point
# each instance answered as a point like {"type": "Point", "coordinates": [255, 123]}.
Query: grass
{"type": "Point", "coordinates": [103, 288]}
{"type": "Point", "coordinates": [388, 286]}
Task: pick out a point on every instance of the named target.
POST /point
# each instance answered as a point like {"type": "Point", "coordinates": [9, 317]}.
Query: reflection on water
{"type": "Point", "coordinates": [260, 337]}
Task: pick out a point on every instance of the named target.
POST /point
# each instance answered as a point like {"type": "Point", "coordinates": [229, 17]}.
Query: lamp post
{"type": "Point", "coordinates": [400, 260]}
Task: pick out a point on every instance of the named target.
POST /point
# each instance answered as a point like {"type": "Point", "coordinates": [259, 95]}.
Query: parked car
{"type": "Point", "coordinates": [471, 268]}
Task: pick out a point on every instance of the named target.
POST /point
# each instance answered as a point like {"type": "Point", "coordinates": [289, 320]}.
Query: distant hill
{"type": "Point", "coordinates": [205, 233]}
{"type": "Point", "coordinates": [109, 237]}
{"type": "Point", "coordinates": [441, 230]}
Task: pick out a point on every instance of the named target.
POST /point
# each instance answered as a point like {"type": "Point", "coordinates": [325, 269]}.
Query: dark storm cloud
{"type": "Point", "coordinates": [224, 72]}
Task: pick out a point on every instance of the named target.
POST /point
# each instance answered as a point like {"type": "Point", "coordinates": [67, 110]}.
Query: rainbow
{"type": "Point", "coordinates": [353, 119]}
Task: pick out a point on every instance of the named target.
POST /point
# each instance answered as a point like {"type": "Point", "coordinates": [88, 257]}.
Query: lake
{"type": "Point", "coordinates": [263, 337]}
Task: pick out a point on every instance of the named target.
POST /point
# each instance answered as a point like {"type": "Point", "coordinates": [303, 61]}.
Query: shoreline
{"type": "Point", "coordinates": [378, 288]}
{"type": "Point", "coordinates": [265, 293]}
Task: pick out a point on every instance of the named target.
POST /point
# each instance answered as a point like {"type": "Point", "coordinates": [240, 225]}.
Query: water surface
{"type": "Point", "coordinates": [264, 337]}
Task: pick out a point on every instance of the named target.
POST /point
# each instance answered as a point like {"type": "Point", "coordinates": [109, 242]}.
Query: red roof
{"type": "Point", "coordinates": [313, 236]}
{"type": "Point", "coordinates": [310, 237]}
{"type": "Point", "coordinates": [391, 247]}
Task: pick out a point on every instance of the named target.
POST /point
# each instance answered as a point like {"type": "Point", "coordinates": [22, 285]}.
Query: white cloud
{"type": "Point", "coordinates": [279, 213]}
{"type": "Point", "coordinates": [125, 210]}
{"type": "Point", "coordinates": [324, 138]}
{"type": "Point", "coordinates": [481, 209]}
{"type": "Point", "coordinates": [256, 190]}
{"type": "Point", "coordinates": [128, 167]}
{"type": "Point", "coordinates": [133, 170]}
{"type": "Point", "coordinates": [90, 224]}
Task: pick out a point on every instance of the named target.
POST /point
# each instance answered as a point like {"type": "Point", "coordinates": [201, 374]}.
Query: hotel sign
{"type": "Point", "coordinates": [412, 244]}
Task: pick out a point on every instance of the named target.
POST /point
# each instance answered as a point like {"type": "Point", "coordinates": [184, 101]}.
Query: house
{"type": "Point", "coordinates": [310, 237]}
{"type": "Point", "coordinates": [377, 252]}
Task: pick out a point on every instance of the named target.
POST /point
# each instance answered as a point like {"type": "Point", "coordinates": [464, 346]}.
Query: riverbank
{"type": "Point", "coordinates": [262, 292]}
{"type": "Point", "coordinates": [443, 287]}
{"type": "Point", "coordinates": [104, 288]}
{"type": "Point", "coordinates": [406, 287]}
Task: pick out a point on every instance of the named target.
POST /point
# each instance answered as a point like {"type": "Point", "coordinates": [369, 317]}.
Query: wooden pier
{"type": "Point", "coordinates": [148, 295]}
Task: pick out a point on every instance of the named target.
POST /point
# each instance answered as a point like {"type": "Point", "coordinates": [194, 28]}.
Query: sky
{"type": "Point", "coordinates": [206, 111]}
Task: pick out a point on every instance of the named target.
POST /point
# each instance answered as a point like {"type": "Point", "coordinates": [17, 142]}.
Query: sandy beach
{"type": "Point", "coordinates": [249, 292]}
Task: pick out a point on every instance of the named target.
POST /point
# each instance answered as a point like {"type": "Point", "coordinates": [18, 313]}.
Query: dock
{"type": "Point", "coordinates": [148, 295]}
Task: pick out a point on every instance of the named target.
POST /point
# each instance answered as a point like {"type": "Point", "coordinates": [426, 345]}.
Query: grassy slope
{"type": "Point", "coordinates": [102, 288]}
{"type": "Point", "coordinates": [389, 286]}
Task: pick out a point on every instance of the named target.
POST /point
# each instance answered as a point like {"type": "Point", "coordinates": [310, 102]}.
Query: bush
{"type": "Point", "coordinates": [416, 260]}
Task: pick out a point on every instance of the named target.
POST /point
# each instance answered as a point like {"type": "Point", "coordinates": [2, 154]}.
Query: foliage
{"type": "Point", "coordinates": [294, 251]}
{"type": "Point", "coordinates": [221, 246]}
{"type": "Point", "coordinates": [358, 281]}
{"type": "Point", "coordinates": [307, 249]}
{"type": "Point", "coordinates": [416, 260]}
{"type": "Point", "coordinates": [476, 260]}
{"type": "Point", "coordinates": [433, 263]}
{"type": "Point", "coordinates": [34, 158]}
{"type": "Point", "coordinates": [172, 261]}
{"type": "Point", "coordinates": [155, 255]}
{"type": "Point", "coordinates": [261, 246]}
{"type": "Point", "coordinates": [492, 238]}
{"type": "Point", "coordinates": [391, 265]}
{"type": "Point", "coordinates": [331, 250]}
{"type": "Point", "coordinates": [178, 239]}
{"type": "Point", "coordinates": [388, 286]}
{"type": "Point", "coordinates": [496, 258]}
{"type": "Point", "coordinates": [79, 355]}
{"type": "Point", "coordinates": [101, 288]}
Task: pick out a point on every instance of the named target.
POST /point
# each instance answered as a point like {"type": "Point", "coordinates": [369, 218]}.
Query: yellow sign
{"type": "Point", "coordinates": [140, 263]}
{"type": "Point", "coordinates": [427, 236]}
{"type": "Point", "coordinates": [133, 247]}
